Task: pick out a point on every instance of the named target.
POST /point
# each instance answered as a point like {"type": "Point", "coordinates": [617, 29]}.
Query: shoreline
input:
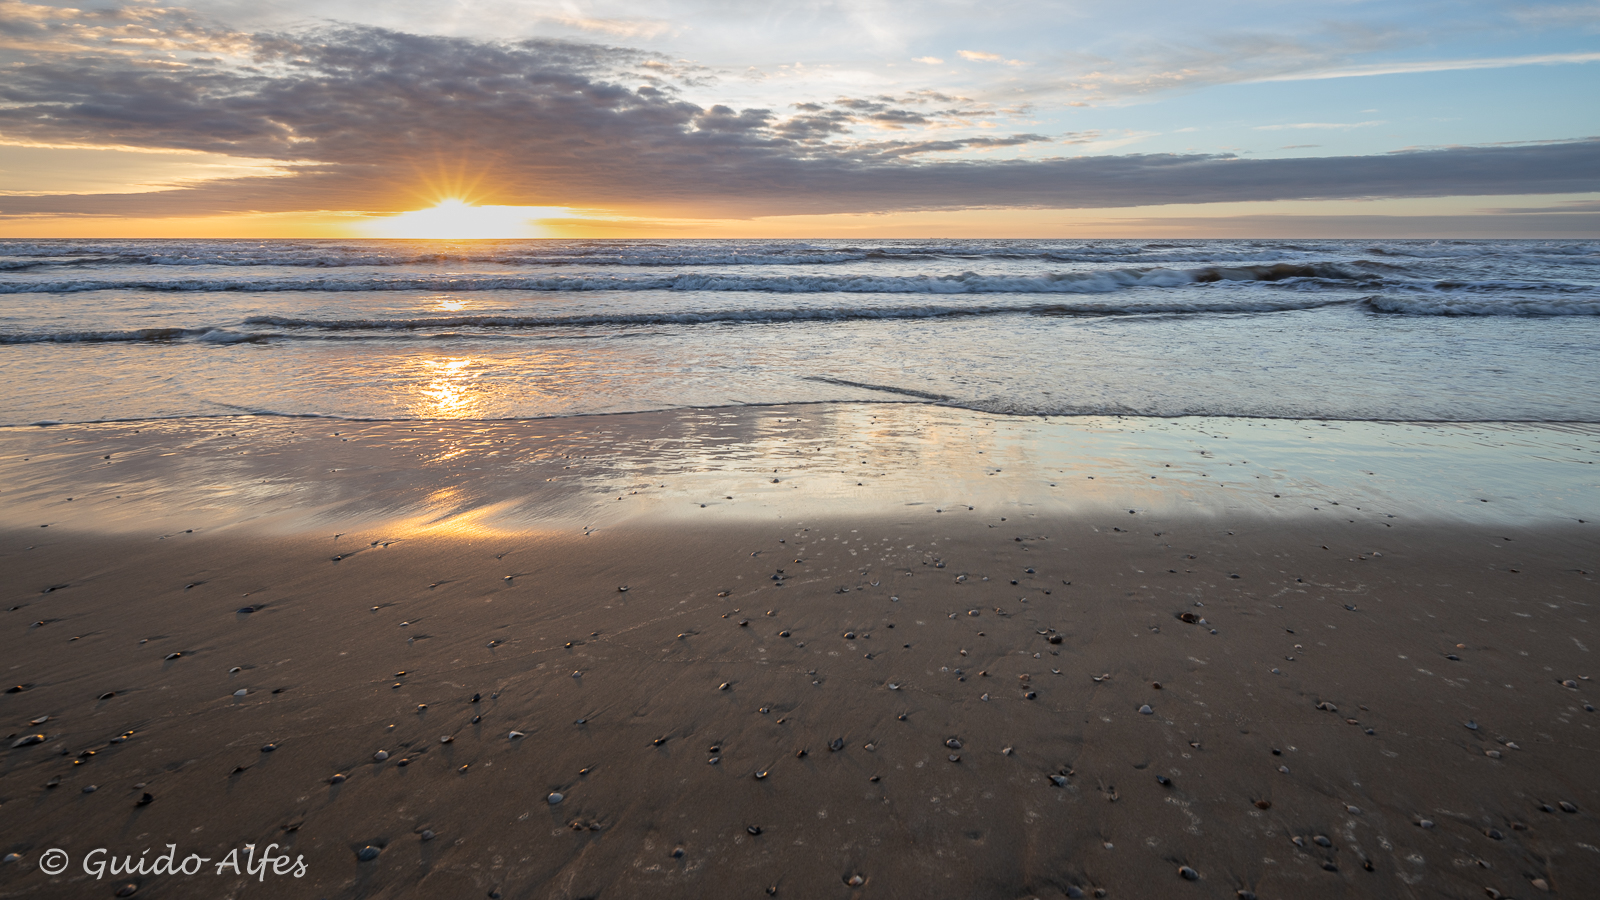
{"type": "Point", "coordinates": [444, 555]}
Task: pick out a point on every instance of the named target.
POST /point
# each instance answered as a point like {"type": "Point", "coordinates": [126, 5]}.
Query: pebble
{"type": "Point", "coordinates": [89, 789]}
{"type": "Point", "coordinates": [241, 692]}
{"type": "Point", "coordinates": [337, 779]}
{"type": "Point", "coordinates": [1145, 710]}
{"type": "Point", "coordinates": [27, 740]}
{"type": "Point", "coordinates": [515, 734]}
{"type": "Point", "coordinates": [145, 800]}
{"type": "Point", "coordinates": [1425, 823]}
{"type": "Point", "coordinates": [381, 755]}
{"type": "Point", "coordinates": [761, 774]}
{"type": "Point", "coordinates": [1492, 754]}
{"type": "Point", "coordinates": [1567, 807]}
{"type": "Point", "coordinates": [1322, 841]}
{"type": "Point", "coordinates": [428, 835]}
{"type": "Point", "coordinates": [127, 890]}
{"type": "Point", "coordinates": [836, 744]}
{"type": "Point", "coordinates": [446, 739]}
{"type": "Point", "coordinates": [107, 695]}
{"type": "Point", "coordinates": [13, 857]}
{"type": "Point", "coordinates": [754, 829]}
{"type": "Point", "coordinates": [1188, 874]}
{"type": "Point", "coordinates": [953, 743]}
{"type": "Point", "coordinates": [368, 852]}
{"type": "Point", "coordinates": [855, 881]}
{"type": "Point", "coordinates": [1539, 884]}
{"type": "Point", "coordinates": [172, 656]}
{"type": "Point", "coordinates": [555, 797]}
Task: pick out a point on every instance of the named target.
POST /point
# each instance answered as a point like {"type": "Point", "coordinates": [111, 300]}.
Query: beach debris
{"type": "Point", "coordinates": [27, 740]}
{"type": "Point", "coordinates": [368, 853]}
{"type": "Point", "coordinates": [514, 735]}
{"type": "Point", "coordinates": [555, 797]}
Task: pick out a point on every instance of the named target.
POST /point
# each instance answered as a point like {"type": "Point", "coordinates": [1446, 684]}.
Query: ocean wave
{"type": "Point", "coordinates": [1102, 281]}
{"type": "Point", "coordinates": [213, 335]}
{"type": "Point", "coordinates": [1525, 306]}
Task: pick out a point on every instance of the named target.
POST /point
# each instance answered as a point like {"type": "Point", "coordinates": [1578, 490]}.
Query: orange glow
{"type": "Point", "coordinates": [458, 220]}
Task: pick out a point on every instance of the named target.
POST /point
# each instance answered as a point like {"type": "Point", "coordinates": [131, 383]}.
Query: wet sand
{"type": "Point", "coordinates": [1324, 689]}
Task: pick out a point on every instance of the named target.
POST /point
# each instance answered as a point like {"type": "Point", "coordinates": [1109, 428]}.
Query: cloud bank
{"type": "Point", "coordinates": [376, 120]}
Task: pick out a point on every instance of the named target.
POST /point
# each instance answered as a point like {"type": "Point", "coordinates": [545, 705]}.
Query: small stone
{"type": "Point", "coordinates": [1539, 884]}
{"type": "Point", "coordinates": [855, 881]}
{"type": "Point", "coordinates": [89, 788]}
{"type": "Point", "coordinates": [337, 779]}
{"type": "Point", "coordinates": [754, 829]}
{"type": "Point", "coordinates": [1330, 866]}
{"type": "Point", "coordinates": [428, 835]}
{"type": "Point", "coordinates": [13, 857]}
{"type": "Point", "coordinates": [107, 695]}
{"type": "Point", "coordinates": [953, 743]}
{"type": "Point", "coordinates": [145, 800]}
{"type": "Point", "coordinates": [1425, 823]}
{"type": "Point", "coordinates": [724, 686]}
{"type": "Point", "coordinates": [127, 890]}
{"type": "Point", "coordinates": [836, 744]}
{"type": "Point", "coordinates": [1567, 807]}
{"type": "Point", "coordinates": [1145, 710]}
{"type": "Point", "coordinates": [446, 739]}
{"type": "Point", "coordinates": [27, 740]}
{"type": "Point", "coordinates": [515, 734]}
{"type": "Point", "coordinates": [368, 853]}
{"type": "Point", "coordinates": [1163, 780]}
{"type": "Point", "coordinates": [1492, 754]}
{"type": "Point", "coordinates": [381, 755]}
{"type": "Point", "coordinates": [1188, 874]}
{"type": "Point", "coordinates": [1263, 804]}
{"type": "Point", "coordinates": [1471, 725]}
{"type": "Point", "coordinates": [554, 798]}
{"type": "Point", "coordinates": [241, 692]}
{"type": "Point", "coordinates": [1353, 810]}
{"type": "Point", "coordinates": [172, 656]}
{"type": "Point", "coordinates": [761, 774]}
{"type": "Point", "coordinates": [1322, 841]}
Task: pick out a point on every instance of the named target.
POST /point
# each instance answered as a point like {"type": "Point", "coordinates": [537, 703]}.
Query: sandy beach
{"type": "Point", "coordinates": [815, 651]}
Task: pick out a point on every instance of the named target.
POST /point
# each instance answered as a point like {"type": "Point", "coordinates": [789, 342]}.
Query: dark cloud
{"type": "Point", "coordinates": [380, 120]}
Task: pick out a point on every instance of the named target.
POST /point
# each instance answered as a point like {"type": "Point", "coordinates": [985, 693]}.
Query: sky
{"type": "Point", "coordinates": [810, 118]}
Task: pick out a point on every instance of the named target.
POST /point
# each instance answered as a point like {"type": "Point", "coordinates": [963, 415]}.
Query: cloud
{"type": "Point", "coordinates": [380, 121]}
{"type": "Point", "coordinates": [1434, 65]}
{"type": "Point", "coordinates": [929, 60]}
{"type": "Point", "coordinates": [979, 56]}
{"type": "Point", "coordinates": [1298, 125]}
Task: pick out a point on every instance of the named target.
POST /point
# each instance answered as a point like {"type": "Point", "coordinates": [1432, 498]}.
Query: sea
{"type": "Point", "coordinates": [1374, 330]}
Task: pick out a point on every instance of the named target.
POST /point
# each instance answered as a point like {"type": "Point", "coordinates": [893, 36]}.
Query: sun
{"type": "Point", "coordinates": [461, 221]}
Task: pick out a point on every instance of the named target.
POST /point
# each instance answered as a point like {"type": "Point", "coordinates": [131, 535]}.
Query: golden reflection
{"type": "Point", "coordinates": [447, 390]}
{"type": "Point", "coordinates": [452, 305]}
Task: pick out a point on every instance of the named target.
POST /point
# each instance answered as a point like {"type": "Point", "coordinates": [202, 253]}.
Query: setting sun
{"type": "Point", "coordinates": [459, 220]}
